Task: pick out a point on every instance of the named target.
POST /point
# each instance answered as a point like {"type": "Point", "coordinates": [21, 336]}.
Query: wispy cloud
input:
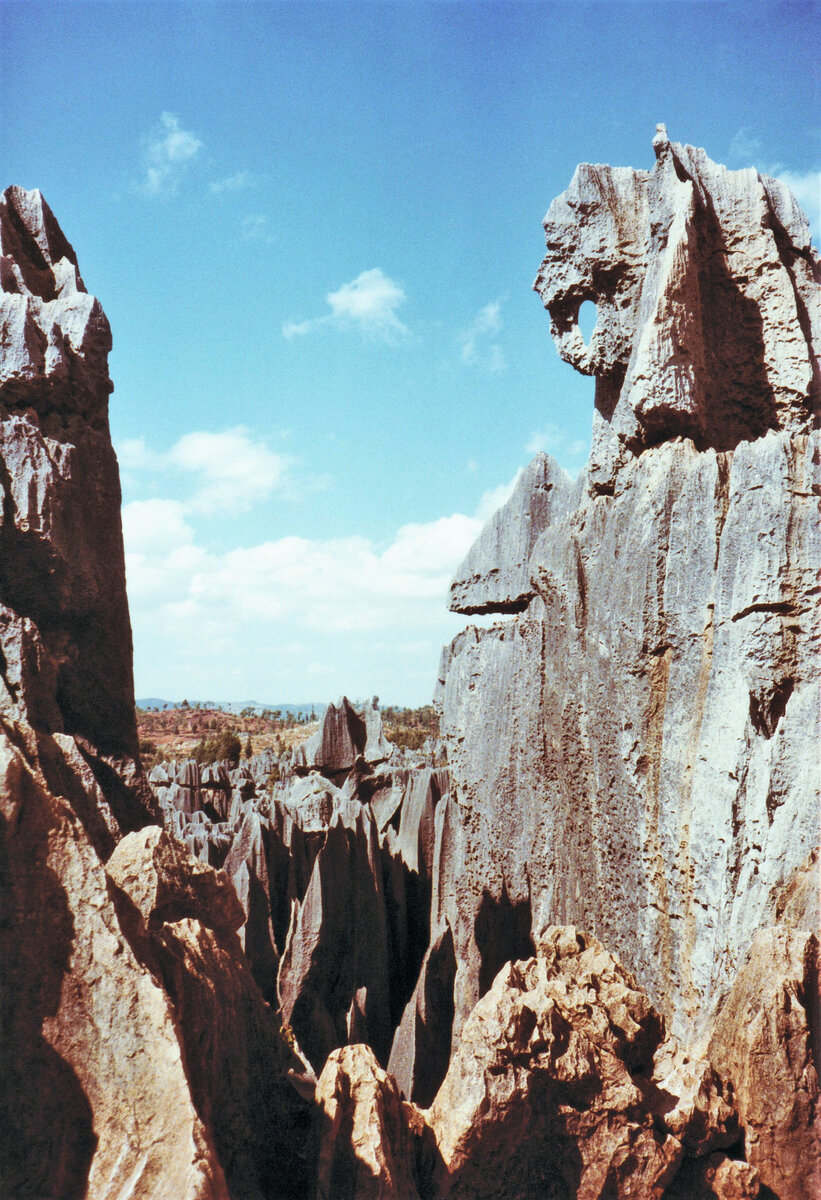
{"type": "Point", "coordinates": [479, 347]}
{"type": "Point", "coordinates": [256, 227]}
{"type": "Point", "coordinates": [240, 181]}
{"type": "Point", "coordinates": [568, 452]}
{"type": "Point", "coordinates": [367, 304]}
{"type": "Point", "coordinates": [745, 148]}
{"type": "Point", "coordinates": [168, 151]}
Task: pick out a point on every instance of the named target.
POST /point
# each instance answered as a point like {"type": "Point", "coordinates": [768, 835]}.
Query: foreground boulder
{"type": "Point", "coordinates": [563, 1084]}
{"type": "Point", "coordinates": [546, 1080]}
{"type": "Point", "coordinates": [366, 1141]}
{"type": "Point", "coordinates": [86, 1026]}
{"type": "Point", "coordinates": [766, 1042]}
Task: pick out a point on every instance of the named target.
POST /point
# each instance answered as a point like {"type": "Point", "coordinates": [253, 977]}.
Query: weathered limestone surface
{"type": "Point", "coordinates": [94, 1096]}
{"type": "Point", "coordinates": [633, 751]}
{"type": "Point", "coordinates": [420, 1052]}
{"type": "Point", "coordinates": [495, 576]}
{"type": "Point", "coordinates": [550, 1083]}
{"type": "Point", "coordinates": [366, 1143]}
{"type": "Point", "coordinates": [766, 1042]}
{"type": "Point", "coordinates": [183, 924]}
{"type": "Point", "coordinates": [137, 1055]}
{"type": "Point", "coordinates": [64, 628]}
{"type": "Point", "coordinates": [343, 737]}
{"type": "Point", "coordinates": [705, 283]}
{"type": "Point", "coordinates": [562, 1085]}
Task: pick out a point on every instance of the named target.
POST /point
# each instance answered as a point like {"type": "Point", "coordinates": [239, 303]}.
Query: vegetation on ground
{"type": "Point", "coordinates": [212, 735]}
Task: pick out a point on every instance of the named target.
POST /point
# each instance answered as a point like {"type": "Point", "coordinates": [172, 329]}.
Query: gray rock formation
{"type": "Point", "coordinates": [633, 752]}
{"type": "Point", "coordinates": [65, 634]}
{"type": "Point", "coordinates": [495, 576]}
{"type": "Point", "coordinates": [342, 738]}
{"type": "Point", "coordinates": [705, 282]}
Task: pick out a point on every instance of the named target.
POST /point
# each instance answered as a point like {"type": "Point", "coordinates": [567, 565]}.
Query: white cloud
{"type": "Point", "coordinates": [367, 304]}
{"type": "Point", "coordinates": [478, 345]}
{"type": "Point", "coordinates": [231, 471]}
{"type": "Point", "coordinates": [745, 147]}
{"type": "Point", "coordinates": [155, 527]}
{"type": "Point", "coordinates": [236, 472]}
{"type": "Point", "coordinates": [168, 151]}
{"type": "Point", "coordinates": [272, 610]}
{"type": "Point", "coordinates": [238, 182]}
{"type": "Point", "coordinates": [287, 616]}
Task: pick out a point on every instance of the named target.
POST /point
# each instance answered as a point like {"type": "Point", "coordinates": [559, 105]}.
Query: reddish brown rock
{"type": "Point", "coordinates": [166, 884]}
{"type": "Point", "coordinates": [544, 1085]}
{"type": "Point", "coordinates": [94, 1099]}
{"type": "Point", "coordinates": [716, 1177]}
{"type": "Point", "coordinates": [763, 1043]}
{"type": "Point", "coordinates": [366, 1148]}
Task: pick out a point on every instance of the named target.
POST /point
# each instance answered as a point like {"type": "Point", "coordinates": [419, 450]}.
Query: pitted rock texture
{"type": "Point", "coordinates": [547, 1090]}
{"type": "Point", "coordinates": [766, 1041]}
{"type": "Point", "coordinates": [562, 1085]}
{"type": "Point", "coordinates": [633, 752]}
{"type": "Point", "coordinates": [705, 281]}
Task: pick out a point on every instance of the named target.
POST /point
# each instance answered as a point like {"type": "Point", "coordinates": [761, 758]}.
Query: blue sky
{"type": "Point", "coordinates": [314, 229]}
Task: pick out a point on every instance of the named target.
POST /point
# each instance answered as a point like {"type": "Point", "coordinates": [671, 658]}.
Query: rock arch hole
{"type": "Point", "coordinates": [588, 315]}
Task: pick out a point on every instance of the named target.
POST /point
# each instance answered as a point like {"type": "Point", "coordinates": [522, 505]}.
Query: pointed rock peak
{"type": "Point", "coordinates": [661, 141]}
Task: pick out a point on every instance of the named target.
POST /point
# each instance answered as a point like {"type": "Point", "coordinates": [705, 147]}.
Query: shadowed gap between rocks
{"type": "Point", "coordinates": [48, 1140]}
{"type": "Point", "coordinates": [503, 932]}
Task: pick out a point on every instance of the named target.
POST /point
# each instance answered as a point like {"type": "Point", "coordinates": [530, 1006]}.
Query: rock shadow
{"type": "Point", "coordinates": [48, 1140]}
{"type": "Point", "coordinates": [503, 932]}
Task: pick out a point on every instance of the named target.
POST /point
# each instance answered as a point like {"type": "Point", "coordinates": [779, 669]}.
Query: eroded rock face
{"type": "Point", "coordinates": [162, 880]}
{"type": "Point", "coordinates": [632, 751]}
{"type": "Point", "coordinates": [766, 1042]}
{"type": "Point", "coordinates": [64, 627]}
{"type": "Point", "coordinates": [547, 1080]}
{"type": "Point", "coordinates": [709, 322]}
{"type": "Point", "coordinates": [85, 1026]}
{"type": "Point", "coordinates": [342, 738]}
{"type": "Point", "coordinates": [366, 1144]}
{"type": "Point", "coordinates": [495, 576]}
{"type": "Point", "coordinates": [138, 1055]}
{"type": "Point", "coordinates": [563, 1085]}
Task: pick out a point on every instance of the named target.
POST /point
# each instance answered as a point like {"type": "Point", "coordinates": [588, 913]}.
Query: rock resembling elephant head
{"type": "Point", "coordinates": [706, 287]}
{"type": "Point", "coordinates": [595, 235]}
